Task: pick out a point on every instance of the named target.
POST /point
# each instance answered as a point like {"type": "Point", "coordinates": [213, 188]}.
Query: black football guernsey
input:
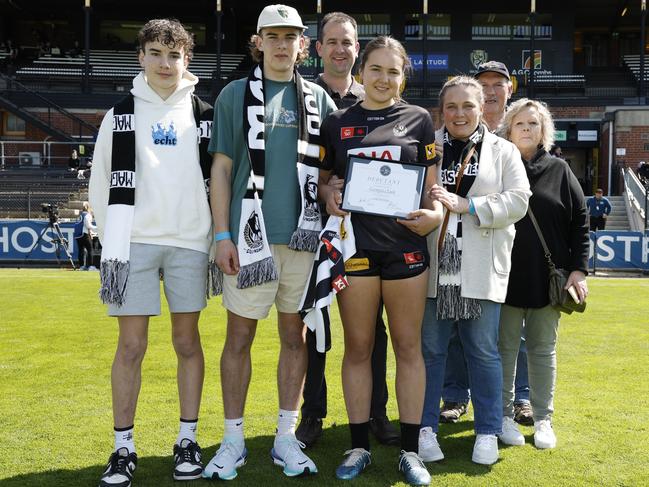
{"type": "Point", "coordinates": [402, 133]}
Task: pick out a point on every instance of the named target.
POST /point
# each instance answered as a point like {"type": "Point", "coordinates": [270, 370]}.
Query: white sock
{"type": "Point", "coordinates": [234, 430]}
{"type": "Point", "coordinates": [187, 430]}
{"type": "Point", "coordinates": [286, 422]}
{"type": "Point", "coordinates": [124, 439]}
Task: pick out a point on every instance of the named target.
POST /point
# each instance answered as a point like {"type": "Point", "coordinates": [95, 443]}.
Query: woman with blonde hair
{"type": "Point", "coordinates": [558, 204]}
{"type": "Point", "coordinates": [84, 240]}
{"type": "Point", "coordinates": [484, 190]}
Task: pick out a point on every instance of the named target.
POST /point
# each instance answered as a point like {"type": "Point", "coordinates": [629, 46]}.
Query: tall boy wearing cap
{"type": "Point", "coordinates": [497, 88]}
{"type": "Point", "coordinates": [338, 48]}
{"type": "Point", "coordinates": [267, 222]}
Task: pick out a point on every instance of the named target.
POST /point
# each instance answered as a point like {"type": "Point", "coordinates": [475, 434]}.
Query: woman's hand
{"type": "Point", "coordinates": [453, 202]}
{"type": "Point", "coordinates": [422, 221]}
{"type": "Point", "coordinates": [578, 280]}
{"type": "Point", "coordinates": [331, 194]}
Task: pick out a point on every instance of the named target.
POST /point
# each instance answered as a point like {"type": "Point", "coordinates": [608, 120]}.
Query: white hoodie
{"type": "Point", "coordinates": [171, 206]}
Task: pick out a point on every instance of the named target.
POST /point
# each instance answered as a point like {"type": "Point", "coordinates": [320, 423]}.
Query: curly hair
{"type": "Point", "coordinates": [547, 124]}
{"type": "Point", "coordinates": [169, 32]}
{"type": "Point", "coordinates": [465, 81]}
{"type": "Point", "coordinates": [258, 56]}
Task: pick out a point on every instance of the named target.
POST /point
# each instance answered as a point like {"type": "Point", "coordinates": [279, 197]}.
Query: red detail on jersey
{"type": "Point", "coordinates": [413, 257]}
{"type": "Point", "coordinates": [350, 132]}
{"type": "Point", "coordinates": [386, 155]}
{"type": "Point", "coordinates": [328, 244]}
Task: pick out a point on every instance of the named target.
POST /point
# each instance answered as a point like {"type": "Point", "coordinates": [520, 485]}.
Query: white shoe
{"type": "Point", "coordinates": [544, 436]}
{"type": "Point", "coordinates": [429, 450]}
{"type": "Point", "coordinates": [511, 435]}
{"type": "Point", "coordinates": [228, 458]}
{"type": "Point", "coordinates": [485, 449]}
{"type": "Point", "coordinates": [287, 453]}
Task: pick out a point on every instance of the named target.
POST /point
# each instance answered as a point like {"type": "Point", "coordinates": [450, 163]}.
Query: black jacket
{"type": "Point", "coordinates": [560, 208]}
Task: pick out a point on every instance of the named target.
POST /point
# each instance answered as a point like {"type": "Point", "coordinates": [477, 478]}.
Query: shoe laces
{"type": "Point", "coordinates": [427, 436]}
{"type": "Point", "coordinates": [119, 464]}
{"type": "Point", "coordinates": [544, 426]}
{"type": "Point", "coordinates": [353, 456]}
{"type": "Point", "coordinates": [484, 440]}
{"type": "Point", "coordinates": [410, 460]}
{"type": "Point", "coordinates": [229, 449]}
{"type": "Point", "coordinates": [189, 453]}
{"type": "Point", "coordinates": [291, 444]}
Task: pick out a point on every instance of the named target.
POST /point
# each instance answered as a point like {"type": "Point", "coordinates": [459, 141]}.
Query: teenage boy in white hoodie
{"type": "Point", "coordinates": [148, 188]}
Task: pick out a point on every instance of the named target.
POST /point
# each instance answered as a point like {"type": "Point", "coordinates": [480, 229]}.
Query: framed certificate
{"type": "Point", "coordinates": [383, 188]}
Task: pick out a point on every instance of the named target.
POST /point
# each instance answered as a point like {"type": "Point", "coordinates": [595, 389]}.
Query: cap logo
{"type": "Point", "coordinates": [282, 12]}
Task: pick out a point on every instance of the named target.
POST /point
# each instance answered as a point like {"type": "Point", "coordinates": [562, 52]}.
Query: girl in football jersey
{"type": "Point", "coordinates": [392, 260]}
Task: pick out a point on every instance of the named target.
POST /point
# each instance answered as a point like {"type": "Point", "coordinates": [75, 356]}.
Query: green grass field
{"type": "Point", "coordinates": [56, 348]}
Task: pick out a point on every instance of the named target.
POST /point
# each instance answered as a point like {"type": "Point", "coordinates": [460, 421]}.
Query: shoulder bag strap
{"type": "Point", "coordinates": [548, 255]}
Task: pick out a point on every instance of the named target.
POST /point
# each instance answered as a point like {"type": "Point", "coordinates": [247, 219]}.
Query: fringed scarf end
{"type": "Point", "coordinates": [257, 273]}
{"type": "Point", "coordinates": [114, 278]}
{"type": "Point", "coordinates": [304, 240]}
{"type": "Point", "coordinates": [214, 280]}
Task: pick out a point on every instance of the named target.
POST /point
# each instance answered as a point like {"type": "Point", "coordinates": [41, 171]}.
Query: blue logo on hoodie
{"type": "Point", "coordinates": [163, 136]}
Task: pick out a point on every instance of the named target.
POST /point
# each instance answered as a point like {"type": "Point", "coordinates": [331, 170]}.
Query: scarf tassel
{"type": "Point", "coordinates": [304, 240]}
{"type": "Point", "coordinates": [452, 306]}
{"type": "Point", "coordinates": [214, 279]}
{"type": "Point", "coordinates": [257, 273]}
{"type": "Point", "coordinates": [114, 278]}
{"type": "Point", "coordinates": [450, 258]}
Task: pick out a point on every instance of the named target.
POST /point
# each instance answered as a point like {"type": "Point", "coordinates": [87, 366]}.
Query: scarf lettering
{"type": "Point", "coordinates": [122, 179]}
{"type": "Point", "coordinates": [123, 123]}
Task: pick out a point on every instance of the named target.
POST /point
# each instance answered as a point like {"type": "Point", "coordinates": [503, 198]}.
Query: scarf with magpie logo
{"type": "Point", "coordinates": [255, 259]}
{"type": "Point", "coordinates": [121, 197]}
{"type": "Point", "coordinates": [450, 303]}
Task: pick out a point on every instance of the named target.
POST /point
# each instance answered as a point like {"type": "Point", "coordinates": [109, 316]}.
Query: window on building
{"type": "Point", "coordinates": [510, 27]}
{"type": "Point", "coordinates": [439, 27]}
{"type": "Point", "coordinates": [12, 125]}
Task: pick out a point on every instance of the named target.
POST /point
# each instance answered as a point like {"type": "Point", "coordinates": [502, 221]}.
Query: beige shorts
{"type": "Point", "coordinates": [293, 268]}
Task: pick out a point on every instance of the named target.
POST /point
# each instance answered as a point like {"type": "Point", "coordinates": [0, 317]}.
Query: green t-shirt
{"type": "Point", "coordinates": [281, 197]}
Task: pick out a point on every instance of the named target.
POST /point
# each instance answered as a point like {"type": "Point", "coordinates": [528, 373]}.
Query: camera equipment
{"type": "Point", "coordinates": [58, 239]}
{"type": "Point", "coordinates": [52, 211]}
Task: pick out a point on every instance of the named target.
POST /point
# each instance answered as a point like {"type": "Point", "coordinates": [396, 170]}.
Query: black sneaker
{"type": "Point", "coordinates": [523, 414]}
{"type": "Point", "coordinates": [187, 459]}
{"type": "Point", "coordinates": [384, 431]}
{"type": "Point", "coordinates": [120, 468]}
{"type": "Point", "coordinates": [309, 431]}
{"type": "Point", "coordinates": [452, 411]}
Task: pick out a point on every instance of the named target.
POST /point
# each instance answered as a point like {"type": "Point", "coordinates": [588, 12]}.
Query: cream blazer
{"type": "Point", "coordinates": [500, 194]}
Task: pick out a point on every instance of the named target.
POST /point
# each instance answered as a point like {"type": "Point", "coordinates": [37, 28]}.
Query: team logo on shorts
{"type": "Point", "coordinates": [399, 130]}
{"type": "Point", "coordinates": [385, 170]}
{"type": "Point", "coordinates": [414, 259]}
{"type": "Point", "coordinates": [252, 234]}
{"type": "Point", "coordinates": [356, 264]}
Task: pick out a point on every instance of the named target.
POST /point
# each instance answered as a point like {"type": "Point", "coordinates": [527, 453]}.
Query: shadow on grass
{"type": "Point", "coordinates": [327, 453]}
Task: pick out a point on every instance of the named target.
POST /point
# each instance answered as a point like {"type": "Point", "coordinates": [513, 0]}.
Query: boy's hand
{"type": "Point", "coordinates": [227, 257]}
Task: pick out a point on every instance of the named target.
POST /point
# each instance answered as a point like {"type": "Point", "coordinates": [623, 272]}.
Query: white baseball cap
{"type": "Point", "coordinates": [279, 16]}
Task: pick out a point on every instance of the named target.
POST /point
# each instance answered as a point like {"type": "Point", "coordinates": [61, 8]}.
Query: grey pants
{"type": "Point", "coordinates": [541, 330]}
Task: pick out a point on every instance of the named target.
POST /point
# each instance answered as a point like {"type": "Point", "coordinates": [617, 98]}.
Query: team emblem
{"type": "Point", "coordinates": [430, 151]}
{"type": "Point", "coordinates": [478, 57]}
{"type": "Point", "coordinates": [252, 233]}
{"type": "Point", "coordinates": [311, 210]}
{"type": "Point", "coordinates": [385, 171]}
{"type": "Point", "coordinates": [282, 12]}
{"type": "Point", "coordinates": [399, 130]}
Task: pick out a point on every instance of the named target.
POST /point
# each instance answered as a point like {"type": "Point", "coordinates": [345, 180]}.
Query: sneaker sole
{"type": "Point", "coordinates": [433, 458]}
{"type": "Point", "coordinates": [545, 446]}
{"type": "Point", "coordinates": [231, 476]}
{"type": "Point", "coordinates": [484, 461]}
{"type": "Point", "coordinates": [188, 477]}
{"type": "Point", "coordinates": [519, 442]}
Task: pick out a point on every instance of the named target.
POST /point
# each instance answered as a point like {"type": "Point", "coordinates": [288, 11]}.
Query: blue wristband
{"type": "Point", "coordinates": [222, 236]}
{"type": "Point", "coordinates": [471, 207]}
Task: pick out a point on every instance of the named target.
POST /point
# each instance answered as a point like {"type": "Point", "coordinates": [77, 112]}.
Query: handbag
{"type": "Point", "coordinates": [560, 299]}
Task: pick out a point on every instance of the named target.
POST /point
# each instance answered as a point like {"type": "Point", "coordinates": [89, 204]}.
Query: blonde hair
{"type": "Point", "coordinates": [547, 125]}
{"type": "Point", "coordinates": [86, 206]}
{"type": "Point", "coordinates": [463, 81]}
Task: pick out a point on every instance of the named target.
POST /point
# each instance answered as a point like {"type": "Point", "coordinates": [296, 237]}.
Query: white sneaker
{"type": "Point", "coordinates": [429, 450]}
{"type": "Point", "coordinates": [287, 453]}
{"type": "Point", "coordinates": [485, 449]}
{"type": "Point", "coordinates": [511, 435]}
{"type": "Point", "coordinates": [544, 436]}
{"type": "Point", "coordinates": [228, 458]}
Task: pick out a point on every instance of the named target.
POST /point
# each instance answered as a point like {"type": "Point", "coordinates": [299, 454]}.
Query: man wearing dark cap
{"type": "Point", "coordinates": [497, 88]}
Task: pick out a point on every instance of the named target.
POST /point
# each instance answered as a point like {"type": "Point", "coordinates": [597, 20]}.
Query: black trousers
{"type": "Point", "coordinates": [315, 385]}
{"type": "Point", "coordinates": [84, 246]}
{"type": "Point", "coordinates": [597, 223]}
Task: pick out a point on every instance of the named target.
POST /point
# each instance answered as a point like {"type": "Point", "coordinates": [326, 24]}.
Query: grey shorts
{"type": "Point", "coordinates": [184, 277]}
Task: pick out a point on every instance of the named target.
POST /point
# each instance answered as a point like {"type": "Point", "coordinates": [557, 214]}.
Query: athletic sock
{"type": "Point", "coordinates": [410, 437]}
{"type": "Point", "coordinates": [233, 430]}
{"type": "Point", "coordinates": [187, 430]}
{"type": "Point", "coordinates": [286, 422]}
{"type": "Point", "coordinates": [124, 439]}
{"type": "Point", "coordinates": [360, 435]}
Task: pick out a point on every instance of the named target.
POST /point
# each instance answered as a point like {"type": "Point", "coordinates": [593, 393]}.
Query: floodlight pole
{"type": "Point", "coordinates": [318, 20]}
{"type": "Point", "coordinates": [530, 83]}
{"type": "Point", "coordinates": [643, 21]}
{"type": "Point", "coordinates": [86, 66]}
{"type": "Point", "coordinates": [219, 16]}
{"type": "Point", "coordinates": [424, 50]}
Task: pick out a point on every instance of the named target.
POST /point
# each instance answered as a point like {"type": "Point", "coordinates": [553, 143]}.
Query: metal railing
{"type": "Point", "coordinates": [636, 200]}
{"type": "Point", "coordinates": [40, 155]}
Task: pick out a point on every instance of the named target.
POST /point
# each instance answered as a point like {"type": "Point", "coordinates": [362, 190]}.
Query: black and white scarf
{"type": "Point", "coordinates": [116, 245]}
{"type": "Point", "coordinates": [255, 259]}
{"type": "Point", "coordinates": [327, 278]}
{"type": "Point", "coordinates": [450, 303]}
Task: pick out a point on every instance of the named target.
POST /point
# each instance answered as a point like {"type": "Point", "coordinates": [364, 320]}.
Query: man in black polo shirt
{"type": "Point", "coordinates": [338, 48]}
